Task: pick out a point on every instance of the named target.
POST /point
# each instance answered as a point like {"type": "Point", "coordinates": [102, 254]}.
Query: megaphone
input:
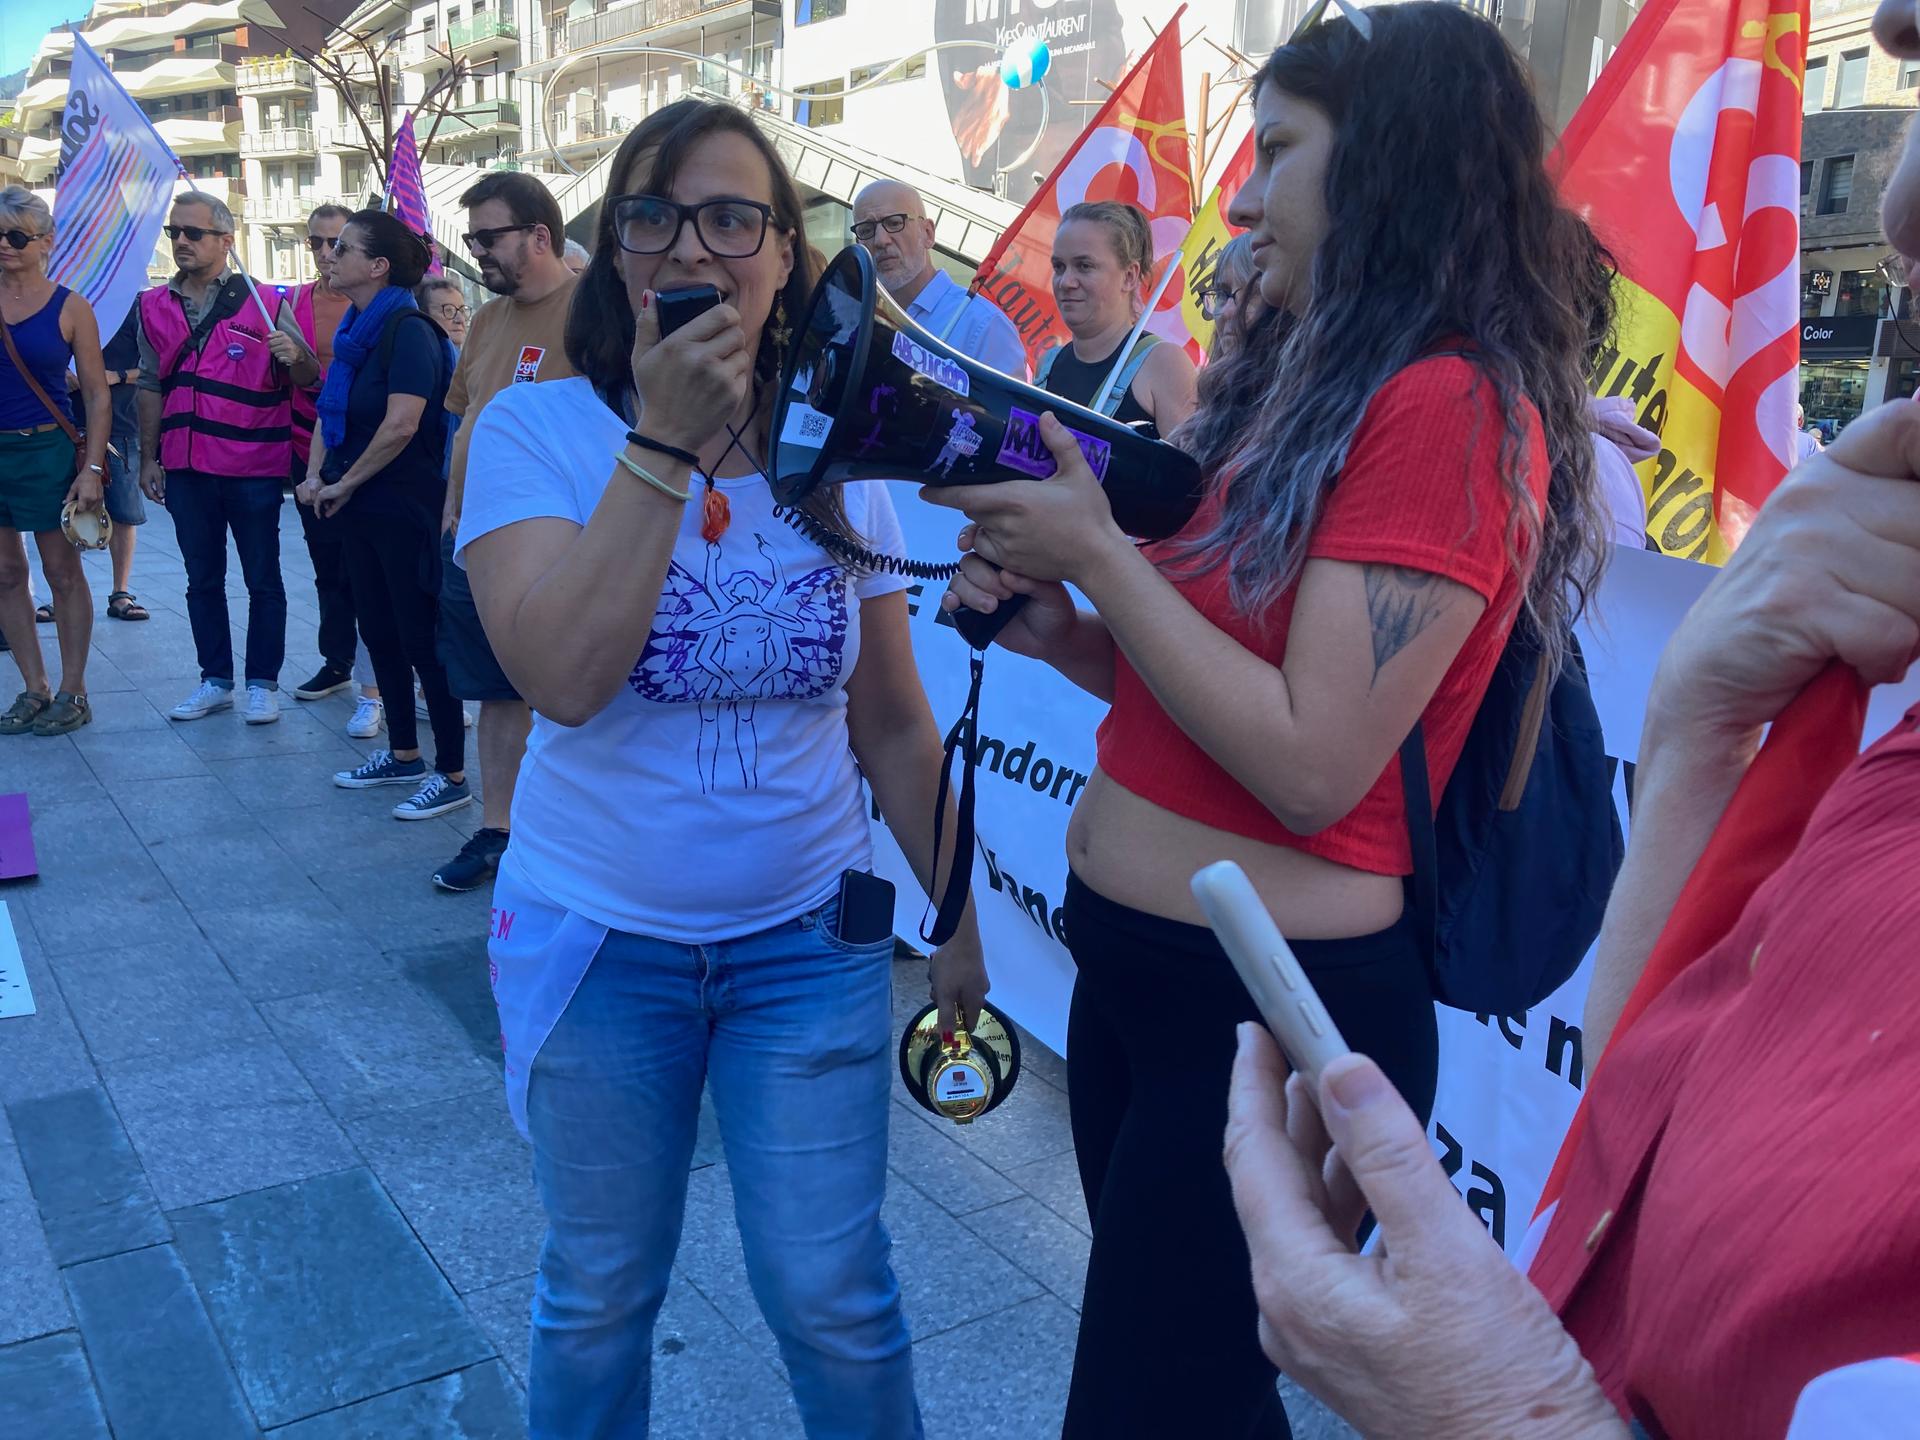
{"type": "Point", "coordinates": [868, 394]}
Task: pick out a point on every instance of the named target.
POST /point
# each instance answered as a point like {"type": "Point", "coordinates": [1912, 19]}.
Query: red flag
{"type": "Point", "coordinates": [1686, 160]}
{"type": "Point", "coordinates": [1135, 149]}
{"type": "Point", "coordinates": [406, 192]}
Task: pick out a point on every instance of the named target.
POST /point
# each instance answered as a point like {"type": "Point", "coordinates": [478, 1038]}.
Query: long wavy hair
{"type": "Point", "coordinates": [1444, 234]}
{"type": "Point", "coordinates": [600, 320]}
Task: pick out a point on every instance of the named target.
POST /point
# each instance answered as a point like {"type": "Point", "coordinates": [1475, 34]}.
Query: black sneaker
{"type": "Point", "coordinates": [475, 863]}
{"type": "Point", "coordinates": [327, 680]}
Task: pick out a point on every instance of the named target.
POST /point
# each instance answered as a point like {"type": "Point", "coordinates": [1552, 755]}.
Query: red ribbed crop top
{"type": "Point", "coordinates": [1421, 488]}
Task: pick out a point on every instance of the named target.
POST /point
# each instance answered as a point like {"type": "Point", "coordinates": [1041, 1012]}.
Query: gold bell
{"type": "Point", "coordinates": [962, 1077]}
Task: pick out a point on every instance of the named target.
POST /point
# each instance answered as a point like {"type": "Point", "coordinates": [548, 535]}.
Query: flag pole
{"type": "Point", "coordinates": [1174, 262]}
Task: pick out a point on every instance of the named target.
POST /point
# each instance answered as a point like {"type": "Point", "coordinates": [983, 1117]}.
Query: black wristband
{"type": "Point", "coordinates": [634, 437]}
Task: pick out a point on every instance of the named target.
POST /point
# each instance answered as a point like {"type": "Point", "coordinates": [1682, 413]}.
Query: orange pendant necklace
{"type": "Point", "coordinates": [716, 513]}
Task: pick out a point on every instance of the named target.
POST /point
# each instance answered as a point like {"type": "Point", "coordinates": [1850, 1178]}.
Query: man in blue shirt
{"type": "Point", "coordinates": [890, 221]}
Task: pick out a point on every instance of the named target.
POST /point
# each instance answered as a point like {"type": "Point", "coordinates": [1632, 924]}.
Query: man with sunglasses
{"type": "Point", "coordinates": [890, 222]}
{"type": "Point", "coordinates": [516, 235]}
{"type": "Point", "coordinates": [216, 443]}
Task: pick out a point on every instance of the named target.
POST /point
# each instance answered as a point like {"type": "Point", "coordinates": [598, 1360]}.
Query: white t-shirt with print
{"type": "Point", "coordinates": [715, 795]}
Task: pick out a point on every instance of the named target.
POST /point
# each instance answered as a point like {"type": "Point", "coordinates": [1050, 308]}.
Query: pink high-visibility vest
{"type": "Point", "coordinates": [225, 407]}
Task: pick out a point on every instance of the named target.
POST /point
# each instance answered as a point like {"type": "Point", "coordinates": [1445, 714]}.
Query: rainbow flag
{"type": "Point", "coordinates": [112, 191]}
{"type": "Point", "coordinates": [406, 191]}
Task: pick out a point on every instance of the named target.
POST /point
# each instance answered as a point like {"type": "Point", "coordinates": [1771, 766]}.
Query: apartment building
{"type": "Point", "coordinates": [1858, 101]}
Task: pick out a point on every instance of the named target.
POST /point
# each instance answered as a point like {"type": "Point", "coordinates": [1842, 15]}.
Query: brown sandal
{"type": "Point", "coordinates": [67, 712]}
{"type": "Point", "coordinates": [20, 716]}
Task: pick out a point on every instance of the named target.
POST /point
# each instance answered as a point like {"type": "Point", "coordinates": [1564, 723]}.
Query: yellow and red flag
{"type": "Point", "coordinates": [1686, 161]}
{"type": "Point", "coordinates": [1211, 231]}
{"type": "Point", "coordinates": [1134, 149]}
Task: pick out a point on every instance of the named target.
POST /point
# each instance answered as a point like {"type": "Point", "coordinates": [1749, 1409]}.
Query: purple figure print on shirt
{"type": "Point", "coordinates": [728, 639]}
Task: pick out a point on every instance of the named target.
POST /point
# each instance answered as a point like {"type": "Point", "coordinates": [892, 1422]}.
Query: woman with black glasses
{"type": "Point", "coordinates": [440, 296]}
{"type": "Point", "coordinates": [686, 899]}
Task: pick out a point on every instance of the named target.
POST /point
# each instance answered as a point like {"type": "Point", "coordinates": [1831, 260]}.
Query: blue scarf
{"type": "Point", "coordinates": [353, 342]}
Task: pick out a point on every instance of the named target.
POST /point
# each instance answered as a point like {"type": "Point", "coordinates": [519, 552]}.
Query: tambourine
{"type": "Point", "coordinates": [87, 529]}
{"type": "Point", "coordinates": [963, 1078]}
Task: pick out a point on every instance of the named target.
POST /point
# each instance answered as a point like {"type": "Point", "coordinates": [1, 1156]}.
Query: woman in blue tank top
{"type": "Point", "coordinates": [47, 326]}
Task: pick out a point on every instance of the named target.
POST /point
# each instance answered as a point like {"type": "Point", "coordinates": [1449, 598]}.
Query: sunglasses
{"type": "Point", "coordinates": [1355, 16]}
{"type": "Point", "coordinates": [892, 224]}
{"type": "Point", "coordinates": [340, 247]}
{"type": "Point", "coordinates": [194, 233]}
{"type": "Point", "coordinates": [318, 243]}
{"type": "Point", "coordinates": [481, 241]}
{"type": "Point", "coordinates": [18, 239]}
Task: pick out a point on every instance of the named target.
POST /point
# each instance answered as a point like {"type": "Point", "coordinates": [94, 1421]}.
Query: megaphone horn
{"type": "Point", "coordinates": [868, 394]}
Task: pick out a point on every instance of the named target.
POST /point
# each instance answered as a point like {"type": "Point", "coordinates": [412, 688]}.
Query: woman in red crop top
{"type": "Point", "coordinates": [1399, 465]}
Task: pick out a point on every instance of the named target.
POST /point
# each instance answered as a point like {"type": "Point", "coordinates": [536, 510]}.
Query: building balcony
{"type": "Point", "coordinates": [654, 22]}
{"type": "Point", "coordinates": [482, 36]}
{"type": "Point", "coordinates": [38, 156]}
{"type": "Point", "coordinates": [282, 76]}
{"type": "Point", "coordinates": [48, 93]}
{"type": "Point", "coordinates": [339, 137]}
{"type": "Point", "coordinates": [279, 140]}
{"type": "Point", "coordinates": [287, 209]}
{"type": "Point", "coordinates": [162, 22]}
{"type": "Point", "coordinates": [420, 52]}
{"type": "Point", "coordinates": [209, 132]}
{"type": "Point", "coordinates": [169, 73]}
{"type": "Point", "coordinates": [464, 122]}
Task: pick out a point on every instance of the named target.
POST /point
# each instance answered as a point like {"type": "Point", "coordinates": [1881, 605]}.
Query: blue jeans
{"type": "Point", "coordinates": [791, 1029]}
{"type": "Point", "coordinates": [204, 508]}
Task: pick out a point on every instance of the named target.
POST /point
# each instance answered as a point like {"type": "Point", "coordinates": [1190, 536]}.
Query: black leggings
{"type": "Point", "coordinates": [393, 565]}
{"type": "Point", "coordinates": [1169, 1343]}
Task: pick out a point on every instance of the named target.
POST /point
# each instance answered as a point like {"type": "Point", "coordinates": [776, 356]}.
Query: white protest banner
{"type": "Point", "coordinates": [1508, 1084]}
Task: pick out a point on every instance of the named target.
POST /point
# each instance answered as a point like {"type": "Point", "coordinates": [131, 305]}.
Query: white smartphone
{"type": "Point", "coordinates": [1267, 967]}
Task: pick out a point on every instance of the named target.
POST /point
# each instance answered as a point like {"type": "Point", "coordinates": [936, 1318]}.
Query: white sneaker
{"type": "Point", "coordinates": [368, 716]}
{"type": "Point", "coordinates": [262, 707]}
{"type": "Point", "coordinates": [203, 701]}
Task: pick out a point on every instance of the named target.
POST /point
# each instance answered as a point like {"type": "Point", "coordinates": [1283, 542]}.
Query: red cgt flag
{"type": "Point", "coordinates": [1135, 149]}
{"type": "Point", "coordinates": [1686, 161]}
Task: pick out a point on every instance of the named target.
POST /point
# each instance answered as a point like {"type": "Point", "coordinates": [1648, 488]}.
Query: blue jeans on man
{"type": "Point", "coordinates": [790, 1030]}
{"type": "Point", "coordinates": [204, 509]}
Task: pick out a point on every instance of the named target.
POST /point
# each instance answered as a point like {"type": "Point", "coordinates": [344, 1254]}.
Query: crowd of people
{"type": "Point", "coordinates": [554, 508]}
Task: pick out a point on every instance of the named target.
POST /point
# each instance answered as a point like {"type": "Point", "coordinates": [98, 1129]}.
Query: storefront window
{"type": "Point", "coordinates": [1833, 392]}
{"type": "Point", "coordinates": [1861, 293]}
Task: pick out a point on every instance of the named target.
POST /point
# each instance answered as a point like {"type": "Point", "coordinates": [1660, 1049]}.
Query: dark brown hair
{"type": "Point", "coordinates": [600, 320]}
{"type": "Point", "coordinates": [527, 200]}
{"type": "Point", "coordinates": [387, 238]}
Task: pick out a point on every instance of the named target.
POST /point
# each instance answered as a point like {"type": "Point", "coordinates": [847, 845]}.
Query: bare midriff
{"type": "Point", "coordinates": [1135, 853]}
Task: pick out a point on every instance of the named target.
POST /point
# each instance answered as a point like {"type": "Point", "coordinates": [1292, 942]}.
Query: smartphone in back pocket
{"type": "Point", "coordinates": [866, 909]}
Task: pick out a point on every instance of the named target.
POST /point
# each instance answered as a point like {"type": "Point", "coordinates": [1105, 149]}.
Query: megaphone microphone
{"type": "Point", "coordinates": [868, 394]}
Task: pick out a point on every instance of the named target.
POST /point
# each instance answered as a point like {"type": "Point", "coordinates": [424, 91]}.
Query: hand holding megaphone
{"type": "Point", "coordinates": [1027, 616]}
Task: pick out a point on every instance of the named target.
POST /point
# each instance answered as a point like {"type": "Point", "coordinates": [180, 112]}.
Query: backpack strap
{"type": "Point", "coordinates": [1142, 348]}
{"type": "Point", "coordinates": [1423, 885]}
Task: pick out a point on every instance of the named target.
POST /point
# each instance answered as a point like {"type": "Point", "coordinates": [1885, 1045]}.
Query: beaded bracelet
{"type": "Point", "coordinates": [642, 473]}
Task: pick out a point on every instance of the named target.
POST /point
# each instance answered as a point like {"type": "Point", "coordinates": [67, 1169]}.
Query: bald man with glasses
{"type": "Point", "coordinates": [890, 222]}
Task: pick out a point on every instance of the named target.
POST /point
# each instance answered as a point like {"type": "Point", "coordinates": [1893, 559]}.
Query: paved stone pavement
{"type": "Point", "coordinates": [256, 1172]}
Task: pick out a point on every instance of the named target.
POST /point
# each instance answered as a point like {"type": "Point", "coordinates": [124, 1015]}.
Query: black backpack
{"type": "Point", "coordinates": [1511, 878]}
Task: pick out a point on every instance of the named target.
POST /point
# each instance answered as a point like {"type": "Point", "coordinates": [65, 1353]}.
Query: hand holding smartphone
{"type": "Point", "coordinates": [1267, 967]}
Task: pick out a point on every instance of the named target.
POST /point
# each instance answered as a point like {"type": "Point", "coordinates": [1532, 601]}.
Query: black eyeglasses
{"type": "Point", "coordinates": [730, 229]}
{"type": "Point", "coordinates": [481, 241]}
{"type": "Point", "coordinates": [18, 239]}
{"type": "Point", "coordinates": [1214, 301]}
{"type": "Point", "coordinates": [1356, 17]}
{"type": "Point", "coordinates": [195, 233]}
{"type": "Point", "coordinates": [892, 224]}
{"type": "Point", "coordinates": [317, 243]}
{"type": "Point", "coordinates": [454, 312]}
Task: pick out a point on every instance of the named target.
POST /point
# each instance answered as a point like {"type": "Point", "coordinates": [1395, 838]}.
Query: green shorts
{"type": "Point", "coordinates": [36, 471]}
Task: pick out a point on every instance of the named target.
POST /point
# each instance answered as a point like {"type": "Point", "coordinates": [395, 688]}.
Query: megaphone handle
{"type": "Point", "coordinates": [978, 628]}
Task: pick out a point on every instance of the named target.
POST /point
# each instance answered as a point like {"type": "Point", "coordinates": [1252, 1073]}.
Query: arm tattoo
{"type": "Point", "coordinates": [1400, 604]}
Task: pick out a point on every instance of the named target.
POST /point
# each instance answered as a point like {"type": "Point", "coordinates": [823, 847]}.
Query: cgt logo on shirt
{"type": "Point", "coordinates": [527, 368]}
